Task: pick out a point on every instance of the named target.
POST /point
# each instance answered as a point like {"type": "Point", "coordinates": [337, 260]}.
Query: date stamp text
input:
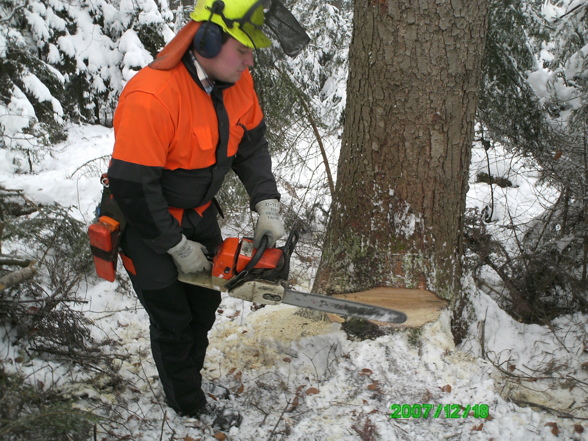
{"type": "Point", "coordinates": [439, 411]}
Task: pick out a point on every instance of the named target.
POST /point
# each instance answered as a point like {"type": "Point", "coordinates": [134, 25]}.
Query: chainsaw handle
{"type": "Point", "coordinates": [238, 279]}
{"type": "Point", "coordinates": [291, 243]}
{"type": "Point", "coordinates": [258, 254]}
{"type": "Point", "coordinates": [277, 274]}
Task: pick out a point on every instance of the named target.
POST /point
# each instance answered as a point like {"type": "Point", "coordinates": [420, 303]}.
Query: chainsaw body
{"type": "Point", "coordinates": [250, 274]}
{"type": "Point", "coordinates": [235, 254]}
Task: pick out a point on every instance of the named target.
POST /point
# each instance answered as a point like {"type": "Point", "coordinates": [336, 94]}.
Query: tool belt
{"type": "Point", "coordinates": [106, 232]}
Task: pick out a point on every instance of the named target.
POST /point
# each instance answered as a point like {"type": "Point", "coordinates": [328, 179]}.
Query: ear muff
{"type": "Point", "coordinates": [208, 40]}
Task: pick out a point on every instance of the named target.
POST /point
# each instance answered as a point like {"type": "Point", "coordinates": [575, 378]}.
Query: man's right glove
{"type": "Point", "coordinates": [189, 256]}
{"type": "Point", "coordinates": [269, 223]}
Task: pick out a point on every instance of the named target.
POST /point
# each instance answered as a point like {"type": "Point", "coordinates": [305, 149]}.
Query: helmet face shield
{"type": "Point", "coordinates": [288, 31]}
{"type": "Point", "coordinates": [244, 20]}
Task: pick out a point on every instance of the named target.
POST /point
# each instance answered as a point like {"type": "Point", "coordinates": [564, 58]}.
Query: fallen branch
{"type": "Point", "coordinates": [559, 413]}
{"type": "Point", "coordinates": [16, 277]}
{"type": "Point", "coordinates": [14, 260]}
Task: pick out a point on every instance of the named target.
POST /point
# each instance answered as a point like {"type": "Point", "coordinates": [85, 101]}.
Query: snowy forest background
{"type": "Point", "coordinates": [62, 66]}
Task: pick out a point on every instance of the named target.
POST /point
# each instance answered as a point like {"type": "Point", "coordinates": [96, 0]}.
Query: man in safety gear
{"type": "Point", "coordinates": [181, 124]}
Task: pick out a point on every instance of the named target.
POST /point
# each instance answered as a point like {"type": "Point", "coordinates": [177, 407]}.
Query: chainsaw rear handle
{"type": "Point", "coordinates": [258, 253]}
{"type": "Point", "coordinates": [277, 274]}
{"type": "Point", "coordinates": [243, 275]}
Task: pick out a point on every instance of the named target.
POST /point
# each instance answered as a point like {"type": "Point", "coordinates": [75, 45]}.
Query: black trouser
{"type": "Point", "coordinates": [180, 314]}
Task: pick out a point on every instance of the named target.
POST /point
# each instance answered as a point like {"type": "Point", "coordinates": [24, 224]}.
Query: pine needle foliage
{"type": "Point", "coordinates": [508, 107]}
{"type": "Point", "coordinates": [29, 413]}
{"type": "Point", "coordinates": [541, 119]}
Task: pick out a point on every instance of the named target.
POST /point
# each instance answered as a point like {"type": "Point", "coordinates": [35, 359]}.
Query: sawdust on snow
{"type": "Point", "coordinates": [260, 339]}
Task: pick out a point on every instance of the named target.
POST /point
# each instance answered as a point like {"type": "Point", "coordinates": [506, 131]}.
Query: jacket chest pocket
{"type": "Point", "coordinates": [202, 149]}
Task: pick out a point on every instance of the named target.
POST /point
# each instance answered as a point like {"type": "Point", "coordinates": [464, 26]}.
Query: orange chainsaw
{"type": "Point", "coordinates": [260, 276]}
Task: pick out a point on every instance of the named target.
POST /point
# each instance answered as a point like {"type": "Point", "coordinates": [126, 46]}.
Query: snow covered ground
{"type": "Point", "coordinates": [293, 379]}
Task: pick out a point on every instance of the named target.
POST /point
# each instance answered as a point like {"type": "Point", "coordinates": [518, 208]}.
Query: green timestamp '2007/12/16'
{"type": "Point", "coordinates": [439, 411]}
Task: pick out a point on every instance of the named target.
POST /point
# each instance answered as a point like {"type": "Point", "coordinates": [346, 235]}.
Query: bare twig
{"type": "Point", "coordinates": [12, 13]}
{"type": "Point", "coordinates": [265, 414]}
{"type": "Point", "coordinates": [272, 433]}
{"type": "Point", "coordinates": [319, 140]}
{"type": "Point", "coordinates": [317, 135]}
{"type": "Point", "coordinates": [162, 425]}
{"type": "Point", "coordinates": [585, 244]}
{"type": "Point", "coordinates": [91, 164]}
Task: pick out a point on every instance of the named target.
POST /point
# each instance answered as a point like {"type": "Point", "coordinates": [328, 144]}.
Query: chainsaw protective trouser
{"type": "Point", "coordinates": [180, 314]}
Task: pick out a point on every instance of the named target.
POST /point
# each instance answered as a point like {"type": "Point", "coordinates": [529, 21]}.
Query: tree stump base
{"type": "Point", "coordinates": [419, 305]}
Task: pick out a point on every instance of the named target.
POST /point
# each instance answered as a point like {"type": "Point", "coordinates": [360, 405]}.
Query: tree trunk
{"type": "Point", "coordinates": [397, 213]}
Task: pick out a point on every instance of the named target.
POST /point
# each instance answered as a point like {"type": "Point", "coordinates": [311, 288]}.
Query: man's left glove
{"type": "Point", "coordinates": [269, 222]}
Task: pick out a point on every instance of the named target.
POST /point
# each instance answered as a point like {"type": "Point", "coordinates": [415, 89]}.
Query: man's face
{"type": "Point", "coordinates": [230, 63]}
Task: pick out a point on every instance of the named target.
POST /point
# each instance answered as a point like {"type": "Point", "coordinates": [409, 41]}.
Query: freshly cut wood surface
{"type": "Point", "coordinates": [419, 305]}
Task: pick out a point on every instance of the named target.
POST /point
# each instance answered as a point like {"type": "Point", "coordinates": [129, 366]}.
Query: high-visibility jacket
{"type": "Point", "coordinates": [174, 144]}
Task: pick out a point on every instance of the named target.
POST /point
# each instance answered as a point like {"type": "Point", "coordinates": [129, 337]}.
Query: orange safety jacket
{"type": "Point", "coordinates": [174, 144]}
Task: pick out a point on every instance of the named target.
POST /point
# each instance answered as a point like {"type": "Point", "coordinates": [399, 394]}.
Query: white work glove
{"type": "Point", "coordinates": [269, 223]}
{"type": "Point", "coordinates": [189, 256]}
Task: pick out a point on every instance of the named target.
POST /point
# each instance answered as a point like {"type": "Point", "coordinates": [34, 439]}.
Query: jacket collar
{"type": "Point", "coordinates": [199, 76]}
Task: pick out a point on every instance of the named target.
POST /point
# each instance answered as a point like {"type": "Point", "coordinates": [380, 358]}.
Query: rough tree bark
{"type": "Point", "coordinates": [397, 213]}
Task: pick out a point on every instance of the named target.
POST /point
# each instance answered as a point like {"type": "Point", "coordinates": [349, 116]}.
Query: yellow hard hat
{"type": "Point", "coordinates": [241, 19]}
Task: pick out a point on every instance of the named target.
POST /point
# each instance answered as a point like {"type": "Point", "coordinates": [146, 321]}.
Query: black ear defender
{"type": "Point", "coordinates": [209, 37]}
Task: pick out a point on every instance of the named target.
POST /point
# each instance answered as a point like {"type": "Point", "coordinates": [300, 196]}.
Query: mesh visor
{"type": "Point", "coordinates": [252, 23]}
{"type": "Point", "coordinates": [286, 28]}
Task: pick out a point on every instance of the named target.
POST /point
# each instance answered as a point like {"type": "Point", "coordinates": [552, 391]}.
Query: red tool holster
{"type": "Point", "coordinates": [105, 233]}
